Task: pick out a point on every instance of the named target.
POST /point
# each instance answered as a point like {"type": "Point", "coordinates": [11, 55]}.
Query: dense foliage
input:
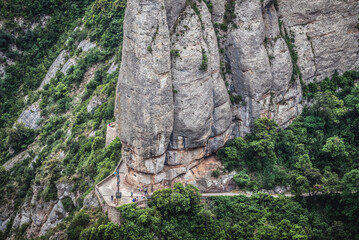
{"type": "Point", "coordinates": [313, 153]}
{"type": "Point", "coordinates": [178, 213]}
{"type": "Point", "coordinates": [70, 144]}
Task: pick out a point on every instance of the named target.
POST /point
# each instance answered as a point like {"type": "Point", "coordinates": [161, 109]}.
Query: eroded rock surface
{"type": "Point", "coordinates": [145, 98]}
{"type": "Point", "coordinates": [325, 34]}
{"type": "Point", "coordinates": [173, 106]}
{"type": "Point", "coordinates": [176, 101]}
{"type": "Point", "coordinates": [31, 116]}
{"type": "Point", "coordinates": [56, 65]}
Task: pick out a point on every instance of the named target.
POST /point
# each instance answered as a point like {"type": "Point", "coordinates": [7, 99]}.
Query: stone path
{"type": "Point", "coordinates": [248, 194]}
{"type": "Point", "coordinates": [108, 188]}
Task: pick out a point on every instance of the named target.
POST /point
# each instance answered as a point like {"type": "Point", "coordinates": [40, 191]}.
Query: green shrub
{"type": "Point", "coordinates": [204, 64]}
{"type": "Point", "coordinates": [216, 173]}
{"type": "Point", "coordinates": [78, 223]}
{"type": "Point", "coordinates": [242, 179]}
{"type": "Point", "coordinates": [175, 53]}
{"type": "Point", "coordinates": [68, 204]}
{"type": "Point", "coordinates": [149, 49]}
{"type": "Point", "coordinates": [20, 137]}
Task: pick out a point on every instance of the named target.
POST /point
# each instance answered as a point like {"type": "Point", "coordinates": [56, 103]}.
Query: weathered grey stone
{"type": "Point", "coordinates": [95, 102]}
{"type": "Point", "coordinates": [219, 8]}
{"type": "Point", "coordinates": [325, 33]}
{"type": "Point", "coordinates": [247, 53]}
{"type": "Point", "coordinates": [145, 104]}
{"type": "Point", "coordinates": [3, 224]}
{"type": "Point", "coordinates": [112, 68]}
{"type": "Point", "coordinates": [64, 190]}
{"type": "Point", "coordinates": [22, 217]}
{"type": "Point", "coordinates": [261, 66]}
{"type": "Point", "coordinates": [69, 63]}
{"type": "Point", "coordinates": [56, 216]}
{"type": "Point", "coordinates": [91, 200]}
{"type": "Point", "coordinates": [31, 116]}
{"type": "Point", "coordinates": [173, 9]}
{"type": "Point", "coordinates": [51, 73]}
{"type": "Point", "coordinates": [171, 113]}
{"type": "Point", "coordinates": [198, 93]}
{"type": "Point", "coordinates": [86, 45]}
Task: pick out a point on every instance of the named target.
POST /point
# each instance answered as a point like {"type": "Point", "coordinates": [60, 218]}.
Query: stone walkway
{"type": "Point", "coordinates": [108, 188]}
{"type": "Point", "coordinates": [248, 194]}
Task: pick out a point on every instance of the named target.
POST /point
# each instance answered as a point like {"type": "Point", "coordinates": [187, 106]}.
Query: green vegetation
{"type": "Point", "coordinates": [313, 153]}
{"type": "Point", "coordinates": [71, 139]}
{"type": "Point", "coordinates": [204, 64]}
{"type": "Point", "coordinates": [175, 53]}
{"type": "Point", "coordinates": [178, 213]}
{"type": "Point", "coordinates": [235, 99]}
{"type": "Point", "coordinates": [229, 16]}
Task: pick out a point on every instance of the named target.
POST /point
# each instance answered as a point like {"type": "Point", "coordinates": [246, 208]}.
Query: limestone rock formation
{"type": "Point", "coordinates": [95, 102]}
{"type": "Point", "coordinates": [325, 35]}
{"type": "Point", "coordinates": [60, 60]}
{"type": "Point", "coordinates": [145, 98]}
{"type": "Point", "coordinates": [182, 63]}
{"type": "Point", "coordinates": [261, 65]}
{"type": "Point", "coordinates": [175, 103]}
{"type": "Point", "coordinates": [56, 216]}
{"type": "Point", "coordinates": [31, 116]}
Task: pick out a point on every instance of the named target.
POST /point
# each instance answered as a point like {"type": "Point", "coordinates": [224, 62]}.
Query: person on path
{"type": "Point", "coordinates": [111, 198]}
{"type": "Point", "coordinates": [133, 200]}
{"type": "Point", "coordinates": [131, 194]}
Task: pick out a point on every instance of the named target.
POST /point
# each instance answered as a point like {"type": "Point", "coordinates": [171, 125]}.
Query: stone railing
{"type": "Point", "coordinates": [142, 203]}
{"type": "Point", "coordinates": [112, 213]}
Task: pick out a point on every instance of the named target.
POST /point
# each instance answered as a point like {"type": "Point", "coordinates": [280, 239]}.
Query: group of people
{"type": "Point", "coordinates": [145, 192]}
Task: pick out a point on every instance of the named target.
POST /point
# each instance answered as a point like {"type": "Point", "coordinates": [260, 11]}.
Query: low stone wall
{"type": "Point", "coordinates": [142, 203]}
{"type": "Point", "coordinates": [112, 213]}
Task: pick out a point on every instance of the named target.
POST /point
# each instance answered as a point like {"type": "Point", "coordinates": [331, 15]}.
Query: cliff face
{"type": "Point", "coordinates": [173, 104]}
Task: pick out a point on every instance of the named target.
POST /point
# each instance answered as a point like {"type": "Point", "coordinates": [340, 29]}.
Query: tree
{"type": "Point", "coordinates": [352, 100]}
{"type": "Point", "coordinates": [335, 147]}
{"type": "Point", "coordinates": [79, 222]}
{"type": "Point", "coordinates": [298, 183]}
{"type": "Point", "coordinates": [20, 137]}
{"type": "Point", "coordinates": [331, 182]}
{"type": "Point", "coordinates": [176, 201]}
{"type": "Point", "coordinates": [303, 161]}
{"type": "Point", "coordinates": [242, 179]}
{"type": "Point", "coordinates": [329, 107]}
{"type": "Point", "coordinates": [314, 178]}
{"type": "Point", "coordinates": [107, 231]}
{"type": "Point", "coordinates": [262, 142]}
{"type": "Point", "coordinates": [335, 150]}
{"type": "Point", "coordinates": [350, 195]}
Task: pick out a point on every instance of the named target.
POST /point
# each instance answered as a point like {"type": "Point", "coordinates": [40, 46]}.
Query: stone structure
{"type": "Point", "coordinates": [173, 106]}
{"type": "Point", "coordinates": [110, 133]}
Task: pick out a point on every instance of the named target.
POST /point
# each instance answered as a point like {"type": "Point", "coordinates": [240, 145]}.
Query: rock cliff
{"type": "Point", "coordinates": [173, 104]}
